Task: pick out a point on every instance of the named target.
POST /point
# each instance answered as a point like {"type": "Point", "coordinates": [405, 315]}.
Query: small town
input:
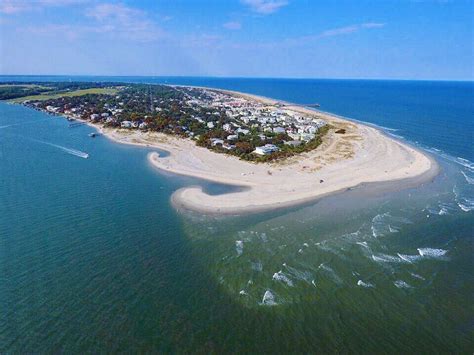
{"type": "Point", "coordinates": [224, 122]}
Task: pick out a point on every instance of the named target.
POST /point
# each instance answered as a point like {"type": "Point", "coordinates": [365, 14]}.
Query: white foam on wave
{"type": "Point", "coordinates": [280, 276]}
{"type": "Point", "coordinates": [239, 247]}
{"type": "Point", "coordinates": [268, 299]}
{"type": "Point", "coordinates": [401, 284]}
{"type": "Point", "coordinates": [385, 258]}
{"type": "Point", "coordinates": [395, 135]}
{"type": "Point", "coordinates": [392, 229]}
{"type": "Point", "coordinates": [431, 252]}
{"type": "Point", "coordinates": [330, 272]}
{"type": "Point", "coordinates": [464, 203]}
{"type": "Point", "coordinates": [364, 284]}
{"type": "Point", "coordinates": [469, 179]}
{"type": "Point", "coordinates": [385, 223]}
{"type": "Point", "coordinates": [466, 163]}
{"type": "Point", "coordinates": [409, 258]}
{"type": "Point", "coordinates": [298, 274]}
{"type": "Point", "coordinates": [458, 160]}
{"type": "Point", "coordinates": [417, 276]}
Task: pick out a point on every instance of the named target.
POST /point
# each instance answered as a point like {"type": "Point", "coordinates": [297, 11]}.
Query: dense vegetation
{"type": "Point", "coordinates": [166, 109]}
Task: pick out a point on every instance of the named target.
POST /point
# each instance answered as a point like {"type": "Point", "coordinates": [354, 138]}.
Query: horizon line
{"type": "Point", "coordinates": [237, 77]}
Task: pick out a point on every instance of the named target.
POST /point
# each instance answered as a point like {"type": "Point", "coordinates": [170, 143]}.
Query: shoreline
{"type": "Point", "coordinates": [363, 156]}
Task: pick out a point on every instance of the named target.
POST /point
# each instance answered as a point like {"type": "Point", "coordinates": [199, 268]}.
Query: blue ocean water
{"type": "Point", "coordinates": [93, 257]}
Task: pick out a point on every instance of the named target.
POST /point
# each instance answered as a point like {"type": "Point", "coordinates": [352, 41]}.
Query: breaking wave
{"type": "Point", "coordinates": [268, 299]}
{"type": "Point", "coordinates": [469, 179]}
{"type": "Point", "coordinates": [401, 284]}
{"type": "Point", "coordinates": [409, 258]}
{"type": "Point", "coordinates": [298, 274]}
{"type": "Point", "coordinates": [280, 276]}
{"type": "Point", "coordinates": [239, 247]}
{"type": "Point", "coordinates": [364, 284]}
{"type": "Point", "coordinates": [431, 253]}
{"type": "Point", "coordinates": [464, 203]}
{"type": "Point", "coordinates": [385, 223]}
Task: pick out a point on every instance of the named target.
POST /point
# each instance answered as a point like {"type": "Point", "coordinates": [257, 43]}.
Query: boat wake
{"type": "Point", "coordinates": [71, 151]}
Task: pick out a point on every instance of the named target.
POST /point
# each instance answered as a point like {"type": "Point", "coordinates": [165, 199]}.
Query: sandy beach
{"type": "Point", "coordinates": [362, 155]}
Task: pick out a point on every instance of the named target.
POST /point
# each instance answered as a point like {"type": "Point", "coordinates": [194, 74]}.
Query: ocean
{"type": "Point", "coordinates": [93, 257]}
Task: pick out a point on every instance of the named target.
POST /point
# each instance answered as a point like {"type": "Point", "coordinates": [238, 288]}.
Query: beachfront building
{"type": "Point", "coordinates": [266, 149]}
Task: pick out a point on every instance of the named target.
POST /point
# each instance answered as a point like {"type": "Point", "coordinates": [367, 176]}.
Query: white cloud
{"type": "Point", "coordinates": [372, 25]}
{"type": "Point", "coordinates": [125, 22]}
{"type": "Point", "coordinates": [110, 21]}
{"type": "Point", "coordinates": [265, 7]}
{"type": "Point", "coordinates": [17, 6]}
{"type": "Point", "coordinates": [232, 25]}
{"type": "Point", "coordinates": [350, 29]}
{"type": "Point", "coordinates": [339, 31]}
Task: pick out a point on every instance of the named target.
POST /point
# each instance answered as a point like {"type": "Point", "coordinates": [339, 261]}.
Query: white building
{"type": "Point", "coordinates": [210, 125]}
{"type": "Point", "coordinates": [94, 117]}
{"type": "Point", "coordinates": [216, 141]}
{"type": "Point", "coordinates": [306, 136]}
{"type": "Point", "coordinates": [243, 131]}
{"type": "Point", "coordinates": [126, 124]}
{"type": "Point", "coordinates": [227, 127]}
{"type": "Point", "coordinates": [266, 149]}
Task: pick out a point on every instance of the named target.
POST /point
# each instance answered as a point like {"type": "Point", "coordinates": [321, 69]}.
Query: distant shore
{"type": "Point", "coordinates": [361, 155]}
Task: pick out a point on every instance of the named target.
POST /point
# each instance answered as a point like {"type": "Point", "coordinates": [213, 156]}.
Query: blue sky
{"type": "Point", "coordinates": [394, 39]}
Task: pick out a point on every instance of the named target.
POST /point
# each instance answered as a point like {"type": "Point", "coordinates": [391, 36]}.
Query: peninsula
{"type": "Point", "coordinates": [279, 153]}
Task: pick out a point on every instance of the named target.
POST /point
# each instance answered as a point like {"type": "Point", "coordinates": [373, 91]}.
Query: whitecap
{"type": "Point", "coordinates": [364, 244]}
{"type": "Point", "coordinates": [385, 258]}
{"type": "Point", "coordinates": [417, 276]}
{"type": "Point", "coordinates": [385, 223]}
{"type": "Point", "coordinates": [443, 211]}
{"type": "Point", "coordinates": [268, 299]}
{"type": "Point", "coordinates": [364, 284]}
{"type": "Point", "coordinates": [409, 258]}
{"type": "Point", "coordinates": [298, 274]}
{"type": "Point", "coordinates": [239, 247]}
{"type": "Point", "coordinates": [466, 163]}
{"type": "Point", "coordinates": [401, 284]}
{"type": "Point", "coordinates": [470, 180]}
{"type": "Point", "coordinates": [392, 229]}
{"type": "Point", "coordinates": [280, 276]}
{"type": "Point", "coordinates": [431, 252]}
